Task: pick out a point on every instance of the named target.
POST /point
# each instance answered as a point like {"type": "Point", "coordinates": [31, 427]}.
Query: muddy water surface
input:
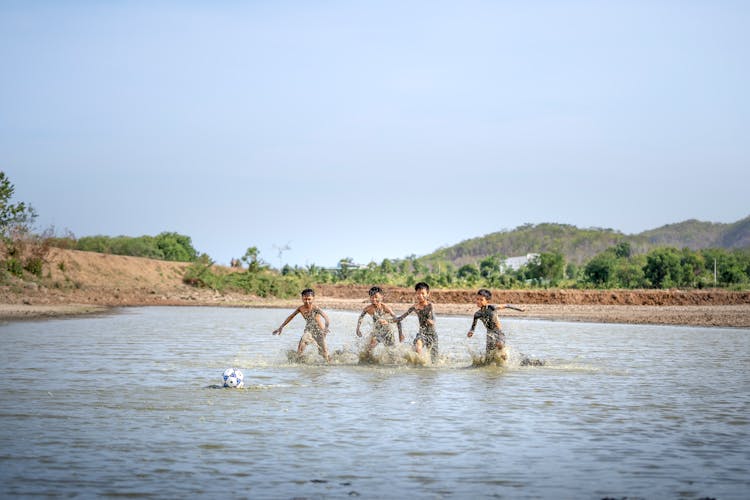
{"type": "Point", "coordinates": [124, 405]}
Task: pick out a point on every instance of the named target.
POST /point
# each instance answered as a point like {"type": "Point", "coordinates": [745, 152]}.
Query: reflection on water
{"type": "Point", "coordinates": [123, 405]}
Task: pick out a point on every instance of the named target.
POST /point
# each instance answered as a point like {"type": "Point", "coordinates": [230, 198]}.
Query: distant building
{"type": "Point", "coordinates": [349, 266]}
{"type": "Point", "coordinates": [516, 263]}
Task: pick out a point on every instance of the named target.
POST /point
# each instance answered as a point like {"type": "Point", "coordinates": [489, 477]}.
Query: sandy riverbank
{"type": "Point", "coordinates": [13, 312]}
{"type": "Point", "coordinates": [716, 316]}
{"type": "Point", "coordinates": [46, 304]}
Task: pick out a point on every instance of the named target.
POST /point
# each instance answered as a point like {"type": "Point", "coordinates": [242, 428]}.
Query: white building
{"type": "Point", "coordinates": [516, 263]}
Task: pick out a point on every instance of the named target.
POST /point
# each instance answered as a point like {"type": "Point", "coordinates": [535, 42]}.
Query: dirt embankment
{"type": "Point", "coordinates": [665, 307]}
{"type": "Point", "coordinates": [88, 282]}
{"type": "Point", "coordinates": [559, 297]}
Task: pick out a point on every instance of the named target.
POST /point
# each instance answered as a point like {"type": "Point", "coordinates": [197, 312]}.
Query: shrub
{"type": "Point", "coordinates": [34, 265]}
{"type": "Point", "coordinates": [14, 266]}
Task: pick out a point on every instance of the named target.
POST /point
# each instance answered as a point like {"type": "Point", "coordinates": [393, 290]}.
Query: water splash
{"type": "Point", "coordinates": [396, 355]}
{"type": "Point", "coordinates": [309, 357]}
{"type": "Point", "coordinates": [507, 357]}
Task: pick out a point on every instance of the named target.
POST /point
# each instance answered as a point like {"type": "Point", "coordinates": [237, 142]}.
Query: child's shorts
{"type": "Point", "coordinates": [317, 337]}
{"type": "Point", "coordinates": [384, 336]}
{"type": "Point", "coordinates": [495, 340]}
{"type": "Point", "coordinates": [429, 341]}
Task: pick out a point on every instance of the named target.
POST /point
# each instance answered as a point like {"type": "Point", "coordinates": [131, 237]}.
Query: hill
{"type": "Point", "coordinates": [579, 245]}
{"type": "Point", "coordinates": [696, 235]}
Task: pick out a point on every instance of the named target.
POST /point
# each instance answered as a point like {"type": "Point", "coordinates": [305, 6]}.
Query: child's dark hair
{"type": "Point", "coordinates": [308, 291]}
{"type": "Point", "coordinates": [485, 293]}
{"type": "Point", "coordinates": [374, 290]}
{"type": "Point", "coordinates": [421, 286]}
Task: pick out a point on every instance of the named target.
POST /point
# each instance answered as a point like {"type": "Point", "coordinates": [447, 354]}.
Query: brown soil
{"type": "Point", "coordinates": [86, 282]}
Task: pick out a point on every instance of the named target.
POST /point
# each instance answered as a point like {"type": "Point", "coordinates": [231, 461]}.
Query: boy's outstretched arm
{"type": "Point", "coordinates": [398, 323]}
{"type": "Point", "coordinates": [473, 325]}
{"type": "Point", "coordinates": [278, 330]}
{"type": "Point", "coordinates": [359, 322]}
{"type": "Point", "coordinates": [399, 319]}
{"type": "Point", "coordinates": [508, 306]}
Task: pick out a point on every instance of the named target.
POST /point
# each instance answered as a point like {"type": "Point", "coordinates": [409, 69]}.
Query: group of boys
{"type": "Point", "coordinates": [317, 323]}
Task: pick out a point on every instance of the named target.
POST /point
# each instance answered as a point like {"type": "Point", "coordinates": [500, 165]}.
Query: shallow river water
{"type": "Point", "coordinates": [126, 405]}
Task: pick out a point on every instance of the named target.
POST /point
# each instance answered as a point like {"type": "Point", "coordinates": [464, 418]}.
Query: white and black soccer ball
{"type": "Point", "coordinates": [233, 377]}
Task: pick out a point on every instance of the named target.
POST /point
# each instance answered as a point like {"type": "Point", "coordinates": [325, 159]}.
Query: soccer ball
{"type": "Point", "coordinates": [233, 378]}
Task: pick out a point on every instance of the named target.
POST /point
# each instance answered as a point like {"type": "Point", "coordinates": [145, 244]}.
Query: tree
{"type": "Point", "coordinates": [629, 273]}
{"type": "Point", "coordinates": [693, 266]}
{"type": "Point", "coordinates": [345, 266]}
{"type": "Point", "coordinates": [20, 250]}
{"type": "Point", "coordinates": [663, 268]}
{"type": "Point", "coordinates": [387, 266]}
{"type": "Point", "coordinates": [489, 266]}
{"type": "Point", "coordinates": [600, 270]}
{"type": "Point", "coordinates": [731, 271]}
{"type": "Point", "coordinates": [623, 250]}
{"type": "Point", "coordinates": [13, 215]}
{"type": "Point", "coordinates": [548, 267]}
{"type": "Point", "coordinates": [468, 273]}
{"type": "Point", "coordinates": [252, 259]}
{"type": "Point", "coordinates": [419, 267]}
{"type": "Point", "coordinates": [571, 270]}
{"type": "Point", "coordinates": [176, 247]}
{"type": "Point", "coordinates": [743, 259]}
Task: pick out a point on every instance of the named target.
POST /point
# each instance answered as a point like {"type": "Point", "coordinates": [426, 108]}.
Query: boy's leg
{"type": "Point", "coordinates": [500, 351]}
{"type": "Point", "coordinates": [434, 349]}
{"type": "Point", "coordinates": [496, 349]}
{"type": "Point", "coordinates": [303, 341]}
{"type": "Point", "coordinates": [496, 345]}
{"type": "Point", "coordinates": [421, 341]}
{"type": "Point", "coordinates": [430, 342]}
{"type": "Point", "coordinates": [322, 347]}
{"type": "Point", "coordinates": [301, 346]}
{"type": "Point", "coordinates": [388, 339]}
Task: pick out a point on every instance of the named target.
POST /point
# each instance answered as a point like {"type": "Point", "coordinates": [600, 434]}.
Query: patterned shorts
{"type": "Point", "coordinates": [495, 340]}
{"type": "Point", "coordinates": [317, 337]}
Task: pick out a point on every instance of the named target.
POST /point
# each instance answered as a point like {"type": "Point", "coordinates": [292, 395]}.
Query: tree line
{"type": "Point", "coordinates": [616, 267]}
{"type": "Point", "coordinates": [164, 246]}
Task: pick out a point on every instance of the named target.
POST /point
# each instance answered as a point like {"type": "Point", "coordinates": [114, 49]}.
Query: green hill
{"type": "Point", "coordinates": [692, 233]}
{"type": "Point", "coordinates": [737, 235]}
{"type": "Point", "coordinates": [579, 245]}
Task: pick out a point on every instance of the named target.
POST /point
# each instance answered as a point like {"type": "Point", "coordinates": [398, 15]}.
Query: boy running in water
{"type": "Point", "coordinates": [427, 336]}
{"type": "Point", "coordinates": [316, 326]}
{"type": "Point", "coordinates": [490, 317]}
{"type": "Point", "coordinates": [382, 317]}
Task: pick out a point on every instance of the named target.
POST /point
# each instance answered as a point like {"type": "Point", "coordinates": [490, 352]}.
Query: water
{"type": "Point", "coordinates": [121, 405]}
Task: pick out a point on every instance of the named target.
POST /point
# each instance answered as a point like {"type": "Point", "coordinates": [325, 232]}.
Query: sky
{"type": "Point", "coordinates": [322, 130]}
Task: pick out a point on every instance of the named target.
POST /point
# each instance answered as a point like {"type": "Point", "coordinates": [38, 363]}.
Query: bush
{"type": "Point", "coordinates": [165, 246]}
{"type": "Point", "coordinates": [263, 283]}
{"type": "Point", "coordinates": [14, 266]}
{"type": "Point", "coordinates": [600, 270]}
{"type": "Point", "coordinates": [34, 265]}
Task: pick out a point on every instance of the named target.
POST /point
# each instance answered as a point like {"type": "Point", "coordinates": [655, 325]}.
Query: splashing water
{"type": "Point", "coordinates": [507, 357]}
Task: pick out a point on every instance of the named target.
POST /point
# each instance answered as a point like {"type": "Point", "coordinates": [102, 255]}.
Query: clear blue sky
{"type": "Point", "coordinates": [373, 130]}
